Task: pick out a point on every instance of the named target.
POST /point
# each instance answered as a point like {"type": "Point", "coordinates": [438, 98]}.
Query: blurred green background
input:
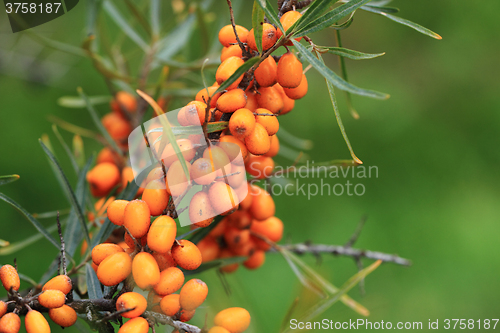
{"type": "Point", "coordinates": [435, 143]}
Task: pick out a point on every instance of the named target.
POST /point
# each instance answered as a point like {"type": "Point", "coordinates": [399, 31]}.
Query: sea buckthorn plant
{"type": "Point", "coordinates": [124, 263]}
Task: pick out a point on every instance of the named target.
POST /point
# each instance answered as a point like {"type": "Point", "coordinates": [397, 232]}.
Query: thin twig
{"type": "Point", "coordinates": [231, 13]}
{"type": "Point", "coordinates": [62, 259]}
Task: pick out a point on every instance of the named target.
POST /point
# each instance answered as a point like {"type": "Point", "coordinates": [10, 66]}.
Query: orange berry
{"type": "Point", "coordinates": [117, 127]}
{"type": "Point", "coordinates": [164, 260]}
{"type": "Point", "coordinates": [297, 92]}
{"type": "Point", "coordinates": [162, 234]}
{"type": "Point", "coordinates": [262, 204]}
{"type": "Point", "coordinates": [269, 37]}
{"type": "Point", "coordinates": [235, 237]}
{"type": "Point", "coordinates": [271, 228]}
{"type": "Point", "coordinates": [256, 260]}
{"type": "Point", "coordinates": [289, 71]}
{"type": "Point", "coordinates": [116, 211]}
{"type": "Point", "coordinates": [59, 282]}
{"type": "Point", "coordinates": [107, 155]}
{"type": "Point", "coordinates": [137, 218]}
{"type": "Point", "coordinates": [246, 201]}
{"type": "Point", "coordinates": [270, 123]}
{"type": "Point", "coordinates": [186, 254]}
{"type": "Point", "coordinates": [195, 113]}
{"type": "Point", "coordinates": [128, 177]}
{"type": "Point", "coordinates": [275, 146]}
{"type": "Point", "coordinates": [201, 212]}
{"type": "Point", "coordinates": [227, 36]}
{"type": "Point", "coordinates": [209, 249]}
{"type": "Point", "coordinates": [240, 219]}
{"type": "Point", "coordinates": [235, 320]}
{"type": "Point", "coordinates": [131, 300]}
{"type": "Point", "coordinates": [181, 117]}
{"type": "Point", "coordinates": [218, 329]}
{"type": "Point", "coordinates": [231, 101]}
{"type": "Point", "coordinates": [245, 249]}
{"type": "Point", "coordinates": [123, 101]}
{"type": "Point", "coordinates": [10, 278]}
{"type": "Point", "coordinates": [287, 20]}
{"type": "Point", "coordinates": [270, 98]}
{"type": "Point", "coordinates": [170, 304]}
{"type": "Point", "coordinates": [218, 159]}
{"type": "Point", "coordinates": [3, 308]}
{"type": "Point", "coordinates": [186, 315]}
{"type": "Point", "coordinates": [131, 243]}
{"type": "Point", "coordinates": [193, 294]}
{"type": "Point", "coordinates": [177, 180]}
{"type": "Point", "coordinates": [231, 51]}
{"type": "Point", "coordinates": [102, 178]}
{"type": "Point", "coordinates": [258, 142]}
{"type": "Point", "coordinates": [226, 69]}
{"type": "Point", "coordinates": [233, 147]}
{"type": "Point", "coordinates": [52, 299]}
{"type": "Point", "coordinates": [230, 268]}
{"type": "Point", "coordinates": [222, 197]}
{"type": "Point", "coordinates": [155, 174]}
{"type": "Point", "coordinates": [288, 103]}
{"type": "Point", "coordinates": [266, 73]}
{"type": "Point", "coordinates": [203, 96]}
{"type": "Point", "coordinates": [168, 156]}
{"type": "Point", "coordinates": [202, 171]}
{"type": "Point", "coordinates": [156, 196]}
{"type": "Point", "coordinates": [10, 323]}
{"type": "Point", "coordinates": [236, 178]}
{"type": "Point", "coordinates": [64, 316]}
{"type": "Point", "coordinates": [145, 270]}
{"type": "Point", "coordinates": [114, 269]}
{"type": "Point", "coordinates": [35, 322]}
{"type": "Point", "coordinates": [171, 280]}
{"type": "Point", "coordinates": [251, 101]}
{"type": "Point", "coordinates": [242, 123]}
{"type": "Point", "coordinates": [135, 325]}
{"type": "Point", "coordinates": [102, 251]}
{"type": "Point", "coordinates": [260, 166]}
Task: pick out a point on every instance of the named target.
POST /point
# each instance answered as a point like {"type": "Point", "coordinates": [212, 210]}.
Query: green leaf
{"type": "Point", "coordinates": [403, 21]}
{"type": "Point", "coordinates": [215, 264]}
{"type": "Point", "coordinates": [73, 128]}
{"type": "Point", "coordinates": [66, 148]}
{"type": "Point", "coordinates": [176, 39]}
{"type": "Point", "coordinates": [202, 232]}
{"type": "Point", "coordinates": [384, 9]}
{"type": "Point", "coordinates": [333, 78]}
{"type": "Point", "coordinates": [8, 179]}
{"type": "Point", "coordinates": [137, 15]}
{"type": "Point", "coordinates": [312, 13]}
{"type": "Point", "coordinates": [93, 8]}
{"type": "Point", "coordinates": [93, 284]}
{"type": "Point", "coordinates": [295, 141]}
{"type": "Point", "coordinates": [187, 130]}
{"type": "Point", "coordinates": [31, 219]}
{"type": "Point", "coordinates": [240, 71]}
{"type": "Point", "coordinates": [329, 18]}
{"type": "Point", "coordinates": [4, 243]}
{"type": "Point", "coordinates": [78, 150]}
{"type": "Point", "coordinates": [271, 14]}
{"type": "Point", "coordinates": [66, 48]}
{"type": "Point", "coordinates": [72, 198]}
{"type": "Point", "coordinates": [17, 246]}
{"type": "Point", "coordinates": [76, 102]}
{"type": "Point", "coordinates": [73, 233]}
{"type": "Point", "coordinates": [26, 278]}
{"type": "Point", "coordinates": [51, 214]}
{"type": "Point", "coordinates": [347, 53]}
{"type": "Point", "coordinates": [97, 121]}
{"type": "Point", "coordinates": [154, 14]}
{"type": "Point", "coordinates": [257, 22]}
{"type": "Point", "coordinates": [116, 16]}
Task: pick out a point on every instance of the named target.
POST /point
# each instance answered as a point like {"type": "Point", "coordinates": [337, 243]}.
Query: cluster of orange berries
{"type": "Point", "coordinates": [52, 297]}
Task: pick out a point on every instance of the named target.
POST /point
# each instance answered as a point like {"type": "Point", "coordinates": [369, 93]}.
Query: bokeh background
{"type": "Point", "coordinates": [435, 143]}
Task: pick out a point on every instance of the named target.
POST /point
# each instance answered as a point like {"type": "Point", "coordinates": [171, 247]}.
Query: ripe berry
{"type": "Point", "coordinates": [289, 71]}
{"type": "Point", "coordinates": [102, 178]}
{"type": "Point", "coordinates": [107, 155]}
{"type": "Point", "coordinates": [155, 174]}
{"type": "Point", "coordinates": [171, 280]}
{"type": "Point", "coordinates": [218, 329]}
{"type": "Point", "coordinates": [240, 219]}
{"type": "Point", "coordinates": [137, 218]}
{"type": "Point", "coordinates": [242, 123]}
{"type": "Point", "coordinates": [262, 204]}
{"type": "Point", "coordinates": [271, 228]}
{"type": "Point", "coordinates": [235, 237]}
{"type": "Point", "coordinates": [177, 181]}
{"type": "Point", "coordinates": [186, 254]}
{"type": "Point", "coordinates": [202, 171]}
{"type": "Point", "coordinates": [233, 147]}
{"type": "Point", "coordinates": [258, 142]}
{"type": "Point", "coordinates": [131, 243]}
{"type": "Point", "coordinates": [161, 235]}
{"type": "Point", "coordinates": [201, 212]}
{"type": "Point", "coordinates": [145, 270]}
{"type": "Point", "coordinates": [275, 146]}
{"type": "Point", "coordinates": [186, 315]}
{"type": "Point", "coordinates": [246, 201]}
{"type": "Point", "coordinates": [102, 251]}
{"type": "Point", "coordinates": [59, 282]}
{"type": "Point", "coordinates": [235, 320]}
{"type": "Point", "coordinates": [265, 74]}
{"type": "Point", "coordinates": [131, 300]}
{"type": "Point", "coordinates": [270, 98]}
{"type": "Point", "coordinates": [168, 156]}
{"type": "Point", "coordinates": [170, 304]}
{"type": "Point", "coordinates": [10, 323]}
{"type": "Point", "coordinates": [10, 278]}
{"type": "Point", "coordinates": [260, 166]}
{"type": "Point", "coordinates": [193, 294]}
{"type": "Point", "coordinates": [135, 325]}
{"type": "Point", "coordinates": [114, 269]}
{"type": "Point", "coordinates": [287, 20]}
{"type": "Point", "coordinates": [256, 260]}
{"type": "Point", "coordinates": [231, 101]}
{"type": "Point", "coordinates": [297, 92]}
{"type": "Point", "coordinates": [116, 211]}
{"type": "Point", "coordinates": [117, 127]}
{"type": "Point", "coordinates": [288, 103]}
{"type": "Point", "coordinates": [35, 322]}
{"type": "Point", "coordinates": [156, 196]}
{"type": "Point", "coordinates": [203, 96]}
{"type": "Point", "coordinates": [270, 123]}
{"type": "Point", "coordinates": [164, 260]}
{"type": "Point", "coordinates": [209, 249]}
{"type": "Point", "coordinates": [123, 101]}
{"type": "Point", "coordinates": [227, 36]}
{"type": "Point", "coordinates": [64, 316]}
{"type": "Point", "coordinates": [251, 101]}
{"type": "Point", "coordinates": [195, 113]}
{"type": "Point", "coordinates": [226, 69]}
{"type": "Point", "coordinates": [222, 197]}
{"type": "Point", "coordinates": [218, 159]}
{"type": "Point", "coordinates": [3, 308]}
{"type": "Point", "coordinates": [52, 299]}
{"type": "Point", "coordinates": [231, 51]}
{"type": "Point", "coordinates": [236, 177]}
{"type": "Point", "coordinates": [269, 37]}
